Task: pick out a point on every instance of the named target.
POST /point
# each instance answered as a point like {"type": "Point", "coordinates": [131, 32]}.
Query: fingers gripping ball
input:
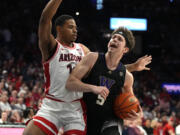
{"type": "Point", "coordinates": [124, 104]}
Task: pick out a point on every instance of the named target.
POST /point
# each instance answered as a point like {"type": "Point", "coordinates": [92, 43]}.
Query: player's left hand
{"type": "Point", "coordinates": [135, 115]}
{"type": "Point", "coordinates": [142, 62]}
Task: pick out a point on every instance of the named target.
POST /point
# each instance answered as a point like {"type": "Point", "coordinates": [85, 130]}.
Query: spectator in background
{"type": "Point", "coordinates": [5, 93]}
{"type": "Point", "coordinates": [23, 89]}
{"type": "Point", "coordinates": [19, 82]}
{"type": "Point", "coordinates": [13, 97]}
{"type": "Point", "coordinates": [164, 118]}
{"type": "Point", "coordinates": [146, 112]}
{"type": "Point", "coordinates": [20, 105]}
{"type": "Point", "coordinates": [147, 127]}
{"type": "Point", "coordinates": [1, 86]}
{"type": "Point", "coordinates": [159, 129]}
{"type": "Point", "coordinates": [27, 114]}
{"type": "Point", "coordinates": [15, 116]}
{"type": "Point", "coordinates": [164, 104]}
{"type": "Point", "coordinates": [36, 96]}
{"type": "Point", "coordinates": [168, 129]}
{"type": "Point", "coordinates": [4, 105]}
{"type": "Point", "coordinates": [154, 126]}
{"type": "Point", "coordinates": [28, 99]}
{"type": "Point", "coordinates": [4, 117]}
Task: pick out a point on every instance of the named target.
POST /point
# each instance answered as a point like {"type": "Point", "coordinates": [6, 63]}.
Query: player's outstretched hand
{"type": "Point", "coordinates": [142, 62]}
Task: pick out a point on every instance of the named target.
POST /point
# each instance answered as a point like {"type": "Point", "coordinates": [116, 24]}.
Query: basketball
{"type": "Point", "coordinates": [124, 104]}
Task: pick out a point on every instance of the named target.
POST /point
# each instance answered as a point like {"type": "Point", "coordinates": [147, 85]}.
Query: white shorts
{"type": "Point", "coordinates": [55, 114]}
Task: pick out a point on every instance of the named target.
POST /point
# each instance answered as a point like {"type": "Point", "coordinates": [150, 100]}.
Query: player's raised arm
{"type": "Point", "coordinates": [46, 39]}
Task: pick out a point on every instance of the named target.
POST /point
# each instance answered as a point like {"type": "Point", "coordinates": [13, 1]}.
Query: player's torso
{"type": "Point", "coordinates": [100, 75]}
{"type": "Point", "coordinates": [57, 70]}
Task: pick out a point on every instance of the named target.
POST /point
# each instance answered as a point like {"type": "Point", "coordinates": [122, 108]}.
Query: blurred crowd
{"type": "Point", "coordinates": [21, 72]}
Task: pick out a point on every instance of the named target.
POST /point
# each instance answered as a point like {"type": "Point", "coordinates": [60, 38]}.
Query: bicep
{"type": "Point", "coordinates": [83, 67]}
{"type": "Point", "coordinates": [128, 83]}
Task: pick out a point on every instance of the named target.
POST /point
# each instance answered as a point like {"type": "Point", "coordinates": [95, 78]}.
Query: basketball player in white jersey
{"type": "Point", "coordinates": [60, 107]}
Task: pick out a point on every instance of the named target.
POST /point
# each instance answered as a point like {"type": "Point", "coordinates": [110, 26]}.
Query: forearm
{"type": "Point", "coordinates": [50, 10]}
{"type": "Point", "coordinates": [130, 67]}
{"type": "Point", "coordinates": [74, 84]}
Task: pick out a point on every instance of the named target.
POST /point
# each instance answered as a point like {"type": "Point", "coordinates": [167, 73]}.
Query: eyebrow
{"type": "Point", "coordinates": [72, 25]}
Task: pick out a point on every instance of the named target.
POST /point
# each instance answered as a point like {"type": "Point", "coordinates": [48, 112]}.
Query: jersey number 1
{"type": "Point", "coordinates": [70, 66]}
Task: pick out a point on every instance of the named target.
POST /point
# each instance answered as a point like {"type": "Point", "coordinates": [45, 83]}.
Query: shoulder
{"type": "Point", "coordinates": [85, 49]}
{"type": "Point", "coordinates": [91, 56]}
{"type": "Point", "coordinates": [90, 59]}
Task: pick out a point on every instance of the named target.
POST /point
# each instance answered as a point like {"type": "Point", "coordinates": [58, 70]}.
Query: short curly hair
{"type": "Point", "coordinates": [61, 20]}
{"type": "Point", "coordinates": [128, 35]}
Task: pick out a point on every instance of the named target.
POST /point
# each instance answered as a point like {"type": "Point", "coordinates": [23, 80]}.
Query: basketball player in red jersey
{"type": "Point", "coordinates": [60, 107]}
{"type": "Point", "coordinates": [102, 77]}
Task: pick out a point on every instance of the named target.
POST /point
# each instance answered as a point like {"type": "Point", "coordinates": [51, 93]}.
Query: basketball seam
{"type": "Point", "coordinates": [129, 105]}
{"type": "Point", "coordinates": [120, 109]}
{"type": "Point", "coordinates": [119, 106]}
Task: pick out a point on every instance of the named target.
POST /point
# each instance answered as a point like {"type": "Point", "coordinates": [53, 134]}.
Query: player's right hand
{"type": "Point", "coordinates": [135, 115]}
{"type": "Point", "coordinates": [101, 90]}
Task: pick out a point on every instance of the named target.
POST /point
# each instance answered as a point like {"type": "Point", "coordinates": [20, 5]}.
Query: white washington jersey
{"type": "Point", "coordinates": [57, 70]}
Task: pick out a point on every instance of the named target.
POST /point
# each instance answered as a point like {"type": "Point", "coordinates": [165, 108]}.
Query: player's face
{"type": "Point", "coordinates": [69, 31]}
{"type": "Point", "coordinates": [117, 43]}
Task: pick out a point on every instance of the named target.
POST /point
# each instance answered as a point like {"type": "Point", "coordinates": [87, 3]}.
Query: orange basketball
{"type": "Point", "coordinates": [124, 104]}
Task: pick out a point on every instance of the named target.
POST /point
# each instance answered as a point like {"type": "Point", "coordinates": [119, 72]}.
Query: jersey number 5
{"type": "Point", "coordinates": [100, 100]}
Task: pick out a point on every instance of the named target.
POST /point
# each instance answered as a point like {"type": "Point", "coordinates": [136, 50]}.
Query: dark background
{"type": "Point", "coordinates": [161, 40]}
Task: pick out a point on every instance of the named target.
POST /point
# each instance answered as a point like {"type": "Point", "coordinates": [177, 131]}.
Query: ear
{"type": "Point", "coordinates": [58, 28]}
{"type": "Point", "coordinates": [126, 49]}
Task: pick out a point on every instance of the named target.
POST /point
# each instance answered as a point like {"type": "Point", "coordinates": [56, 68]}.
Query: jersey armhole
{"type": "Point", "coordinates": [84, 49]}
{"type": "Point", "coordinates": [57, 48]}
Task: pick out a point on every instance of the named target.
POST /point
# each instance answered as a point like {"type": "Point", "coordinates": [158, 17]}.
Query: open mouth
{"type": "Point", "coordinates": [113, 46]}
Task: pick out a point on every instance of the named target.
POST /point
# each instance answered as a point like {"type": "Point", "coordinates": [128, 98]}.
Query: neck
{"type": "Point", "coordinates": [63, 42]}
{"type": "Point", "coordinates": [112, 60]}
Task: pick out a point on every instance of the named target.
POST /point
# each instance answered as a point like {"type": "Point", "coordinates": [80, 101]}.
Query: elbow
{"type": "Point", "coordinates": [71, 83]}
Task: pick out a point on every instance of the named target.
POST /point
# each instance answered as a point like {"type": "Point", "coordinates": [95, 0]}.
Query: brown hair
{"type": "Point", "coordinates": [128, 35]}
